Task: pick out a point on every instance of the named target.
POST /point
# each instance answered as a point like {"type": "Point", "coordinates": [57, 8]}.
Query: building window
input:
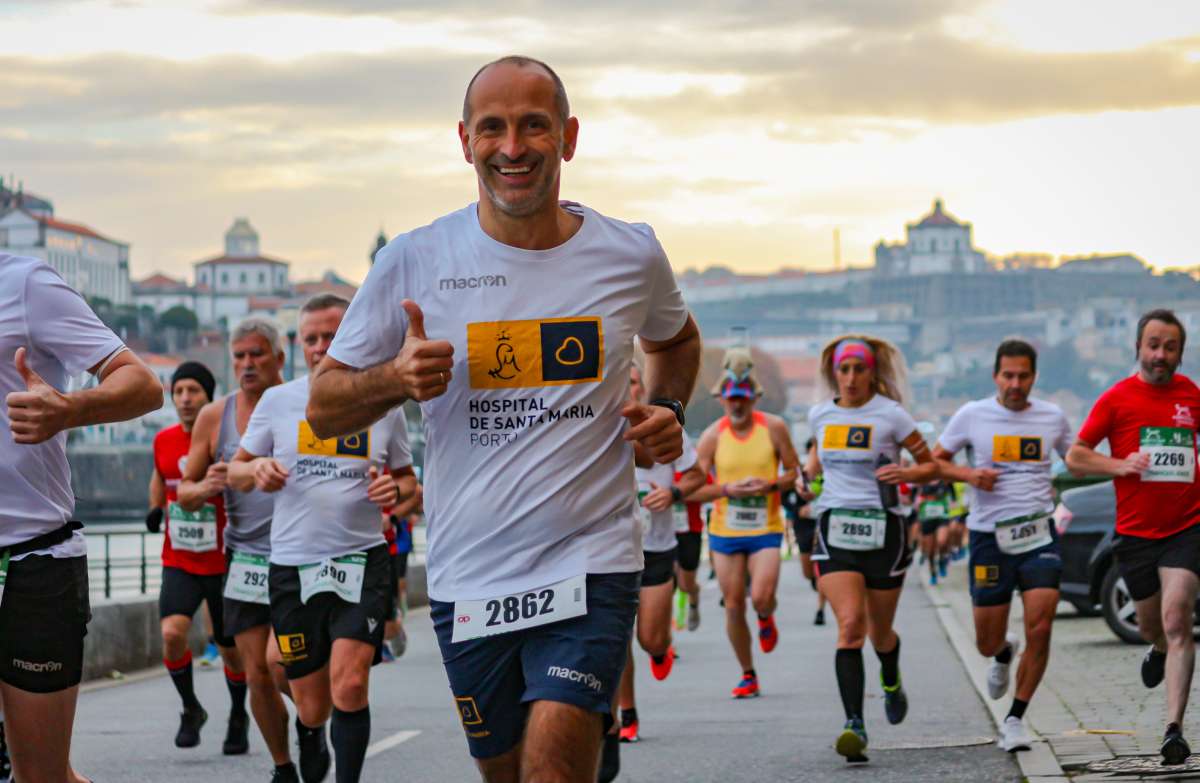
{"type": "Point", "coordinates": [262, 278]}
{"type": "Point", "coordinates": [242, 278]}
{"type": "Point", "coordinates": [224, 278]}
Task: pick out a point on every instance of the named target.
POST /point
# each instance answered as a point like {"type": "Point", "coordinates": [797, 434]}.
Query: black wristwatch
{"type": "Point", "coordinates": [675, 405]}
{"type": "Point", "coordinates": [676, 494]}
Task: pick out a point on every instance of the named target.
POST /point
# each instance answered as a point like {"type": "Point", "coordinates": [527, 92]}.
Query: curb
{"type": "Point", "coordinates": [1038, 764]}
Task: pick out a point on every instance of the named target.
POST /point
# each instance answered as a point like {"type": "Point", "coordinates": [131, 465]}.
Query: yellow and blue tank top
{"type": "Point", "coordinates": [737, 458]}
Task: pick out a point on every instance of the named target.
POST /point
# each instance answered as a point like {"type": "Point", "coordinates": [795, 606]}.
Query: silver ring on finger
{"type": "Point", "coordinates": [443, 375]}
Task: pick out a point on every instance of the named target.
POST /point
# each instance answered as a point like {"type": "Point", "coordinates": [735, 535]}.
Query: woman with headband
{"type": "Point", "coordinates": [861, 552]}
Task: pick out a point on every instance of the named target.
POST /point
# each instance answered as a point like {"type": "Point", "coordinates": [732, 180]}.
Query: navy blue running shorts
{"type": "Point", "coordinates": [994, 575]}
{"type": "Point", "coordinates": [576, 661]}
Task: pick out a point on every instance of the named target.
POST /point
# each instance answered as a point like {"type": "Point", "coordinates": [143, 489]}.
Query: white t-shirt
{"type": "Point", "coordinates": [63, 337]}
{"type": "Point", "coordinates": [658, 527]}
{"type": "Point", "coordinates": [528, 477]}
{"type": "Point", "coordinates": [322, 511]}
{"type": "Point", "coordinates": [849, 442]}
{"type": "Point", "coordinates": [1016, 443]}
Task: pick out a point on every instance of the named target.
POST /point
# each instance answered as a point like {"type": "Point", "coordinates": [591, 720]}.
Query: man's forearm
{"type": "Point", "coordinates": [191, 495]}
{"type": "Point", "coordinates": [1083, 461]}
{"type": "Point", "coordinates": [953, 471]}
{"type": "Point", "coordinates": [241, 475]}
{"type": "Point", "coordinates": [125, 393]}
{"type": "Point", "coordinates": [345, 401]}
{"type": "Point", "coordinates": [707, 494]}
{"type": "Point", "coordinates": [922, 473]}
{"type": "Point", "coordinates": [671, 371]}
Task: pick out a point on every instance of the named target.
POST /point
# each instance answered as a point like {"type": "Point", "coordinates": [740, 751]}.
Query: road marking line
{"type": "Point", "coordinates": [387, 743]}
{"type": "Point", "coordinates": [1039, 762]}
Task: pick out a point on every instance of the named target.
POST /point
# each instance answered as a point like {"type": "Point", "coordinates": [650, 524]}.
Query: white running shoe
{"type": "Point", "coordinates": [1014, 736]}
{"type": "Point", "coordinates": [997, 679]}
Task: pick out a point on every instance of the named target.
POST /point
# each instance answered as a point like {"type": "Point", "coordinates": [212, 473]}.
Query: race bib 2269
{"type": "Point", "coordinates": [542, 352]}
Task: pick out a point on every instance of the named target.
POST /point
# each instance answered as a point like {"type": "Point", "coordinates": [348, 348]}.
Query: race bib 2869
{"type": "Point", "coordinates": [542, 352]}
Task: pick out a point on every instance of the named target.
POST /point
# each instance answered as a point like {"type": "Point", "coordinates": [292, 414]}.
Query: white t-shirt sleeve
{"type": "Point", "coordinates": [688, 459]}
{"type": "Point", "coordinates": [399, 450]}
{"type": "Point", "coordinates": [666, 312]}
{"type": "Point", "coordinates": [258, 439]}
{"type": "Point", "coordinates": [956, 434]}
{"type": "Point", "coordinates": [61, 324]}
{"type": "Point", "coordinates": [374, 326]}
{"type": "Point", "coordinates": [1066, 436]}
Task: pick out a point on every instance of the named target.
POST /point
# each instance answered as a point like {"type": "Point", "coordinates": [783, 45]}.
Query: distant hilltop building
{"type": "Point", "coordinates": [95, 265]}
{"type": "Point", "coordinates": [240, 282]}
{"type": "Point", "coordinates": [938, 244]}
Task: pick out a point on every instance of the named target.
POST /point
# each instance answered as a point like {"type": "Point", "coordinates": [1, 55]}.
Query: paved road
{"type": "Point", "coordinates": [692, 730]}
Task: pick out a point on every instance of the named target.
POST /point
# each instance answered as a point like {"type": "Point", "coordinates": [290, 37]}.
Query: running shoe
{"type": "Point", "coordinates": [933, 578]}
{"type": "Point", "coordinates": [852, 742]}
{"type": "Point", "coordinates": [997, 679]}
{"type": "Point", "coordinates": [1014, 736]}
{"type": "Point", "coordinates": [314, 753]}
{"type": "Point", "coordinates": [385, 652]}
{"type": "Point", "coordinates": [399, 643]}
{"type": "Point", "coordinates": [629, 733]}
{"type": "Point", "coordinates": [237, 740]}
{"type": "Point", "coordinates": [190, 722]}
{"type": "Point", "coordinates": [768, 633]}
{"type": "Point", "coordinates": [610, 759]}
{"type": "Point", "coordinates": [895, 701]}
{"type": "Point", "coordinates": [211, 655]}
{"type": "Point", "coordinates": [660, 667]}
{"type": "Point", "coordinates": [1154, 666]}
{"type": "Point", "coordinates": [747, 688]}
{"type": "Point", "coordinates": [285, 774]}
{"type": "Point", "coordinates": [5, 762]}
{"type": "Point", "coordinates": [943, 565]}
{"type": "Point", "coordinates": [1174, 749]}
{"type": "Point", "coordinates": [819, 617]}
{"type": "Point", "coordinates": [693, 617]}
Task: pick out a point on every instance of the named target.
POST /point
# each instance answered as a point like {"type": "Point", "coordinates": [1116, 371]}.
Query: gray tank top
{"type": "Point", "coordinates": [249, 513]}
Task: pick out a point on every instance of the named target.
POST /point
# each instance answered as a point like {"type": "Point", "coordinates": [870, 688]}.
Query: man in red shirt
{"type": "Point", "coordinates": [1150, 422]}
{"type": "Point", "coordinates": [193, 560]}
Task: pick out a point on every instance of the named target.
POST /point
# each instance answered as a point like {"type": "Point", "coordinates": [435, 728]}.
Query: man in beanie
{"type": "Point", "coordinates": [193, 562]}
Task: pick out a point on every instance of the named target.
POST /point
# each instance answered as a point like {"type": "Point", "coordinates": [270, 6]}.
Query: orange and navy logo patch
{"type": "Point", "coordinates": [542, 352]}
{"type": "Point", "coordinates": [1016, 448]}
{"type": "Point", "coordinates": [468, 712]}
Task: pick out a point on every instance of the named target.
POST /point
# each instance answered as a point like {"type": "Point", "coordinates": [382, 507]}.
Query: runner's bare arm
{"type": "Point", "coordinates": [158, 490]}
{"type": "Point", "coordinates": [1083, 460]}
{"type": "Point", "coordinates": [247, 472]}
{"type": "Point", "coordinates": [980, 478]}
{"type": "Point", "coordinates": [706, 451]}
{"type": "Point", "coordinates": [408, 490]}
{"type": "Point", "coordinates": [786, 451]}
{"type": "Point", "coordinates": [126, 390]}
{"type": "Point", "coordinates": [812, 469]}
{"type": "Point", "coordinates": [924, 471]}
{"type": "Point", "coordinates": [343, 400]}
{"type": "Point", "coordinates": [195, 487]}
{"type": "Point", "coordinates": [690, 480]}
{"type": "Point", "coordinates": [672, 365]}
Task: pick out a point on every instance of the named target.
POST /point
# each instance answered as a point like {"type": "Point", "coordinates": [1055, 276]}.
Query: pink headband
{"type": "Point", "coordinates": [853, 349]}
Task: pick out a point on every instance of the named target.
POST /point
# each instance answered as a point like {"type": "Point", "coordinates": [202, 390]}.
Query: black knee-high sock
{"type": "Point", "coordinates": [851, 680]}
{"type": "Point", "coordinates": [350, 733]}
{"type": "Point", "coordinates": [181, 676]}
{"type": "Point", "coordinates": [889, 664]}
{"type": "Point", "coordinates": [236, 683]}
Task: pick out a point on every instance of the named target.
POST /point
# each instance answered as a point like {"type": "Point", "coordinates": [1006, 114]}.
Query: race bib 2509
{"type": "Point", "coordinates": [541, 352]}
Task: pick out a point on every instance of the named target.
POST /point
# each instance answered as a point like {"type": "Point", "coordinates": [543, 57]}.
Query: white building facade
{"type": "Point", "coordinates": [937, 244]}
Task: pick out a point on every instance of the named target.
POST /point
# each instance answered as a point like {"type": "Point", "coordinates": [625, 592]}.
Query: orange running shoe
{"type": "Point", "coordinates": [630, 733]}
{"type": "Point", "coordinates": [768, 634]}
{"type": "Point", "coordinates": [663, 669]}
{"type": "Point", "coordinates": [747, 688]}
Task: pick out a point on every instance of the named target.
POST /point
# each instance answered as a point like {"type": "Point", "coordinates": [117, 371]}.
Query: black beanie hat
{"type": "Point", "coordinates": [198, 373]}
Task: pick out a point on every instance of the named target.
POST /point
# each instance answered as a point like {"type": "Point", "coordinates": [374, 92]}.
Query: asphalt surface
{"type": "Point", "coordinates": [691, 729]}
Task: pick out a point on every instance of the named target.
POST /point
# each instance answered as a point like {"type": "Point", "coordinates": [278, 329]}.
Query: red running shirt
{"type": "Point", "coordinates": [170, 454]}
{"type": "Point", "coordinates": [1133, 413]}
{"type": "Point", "coordinates": [695, 522]}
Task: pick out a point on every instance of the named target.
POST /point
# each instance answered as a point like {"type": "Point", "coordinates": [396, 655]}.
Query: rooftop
{"type": "Point", "coordinates": [938, 217]}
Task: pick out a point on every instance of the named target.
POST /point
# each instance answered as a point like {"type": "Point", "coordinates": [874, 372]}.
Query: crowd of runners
{"type": "Point", "coordinates": [552, 356]}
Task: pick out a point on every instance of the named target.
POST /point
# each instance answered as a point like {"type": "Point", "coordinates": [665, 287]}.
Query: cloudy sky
{"type": "Point", "coordinates": [744, 131]}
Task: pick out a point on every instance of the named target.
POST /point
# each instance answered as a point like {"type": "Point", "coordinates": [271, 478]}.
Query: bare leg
{"type": "Point", "coordinates": [625, 693]}
{"type": "Point", "coordinates": [654, 618]}
{"type": "Point", "coordinates": [38, 728]}
{"type": "Point", "coordinates": [991, 626]}
{"type": "Point", "coordinates": [1179, 586]}
{"type": "Point", "coordinates": [731, 575]}
{"type": "Point", "coordinates": [881, 613]}
{"type": "Point", "coordinates": [562, 744]}
{"type": "Point", "coordinates": [764, 579]}
{"type": "Point", "coordinates": [505, 768]}
{"type": "Point", "coordinates": [265, 702]}
{"type": "Point", "coordinates": [1040, 605]}
{"type": "Point", "coordinates": [846, 592]}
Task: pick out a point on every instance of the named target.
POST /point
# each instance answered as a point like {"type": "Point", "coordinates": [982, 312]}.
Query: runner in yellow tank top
{"type": "Point", "coordinates": [745, 450]}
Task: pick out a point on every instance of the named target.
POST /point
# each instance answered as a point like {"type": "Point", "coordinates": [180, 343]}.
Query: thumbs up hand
{"type": "Point", "coordinates": [658, 498]}
{"type": "Point", "coordinates": [423, 366]}
{"type": "Point", "coordinates": [41, 411]}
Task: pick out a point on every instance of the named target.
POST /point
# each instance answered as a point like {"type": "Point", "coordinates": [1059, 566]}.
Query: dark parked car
{"type": "Point", "coordinates": [1086, 518]}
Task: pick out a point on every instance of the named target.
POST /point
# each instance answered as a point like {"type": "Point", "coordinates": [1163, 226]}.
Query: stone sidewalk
{"type": "Point", "coordinates": [1098, 718]}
